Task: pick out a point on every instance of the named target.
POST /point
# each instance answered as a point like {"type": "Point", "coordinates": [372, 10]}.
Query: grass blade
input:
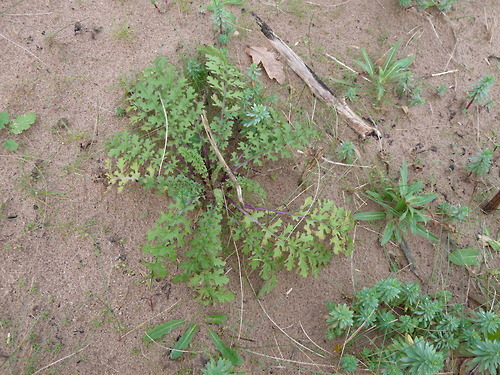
{"type": "Point", "coordinates": [388, 233]}
{"type": "Point", "coordinates": [183, 342]}
{"type": "Point", "coordinates": [228, 353]}
{"type": "Point", "coordinates": [370, 215]}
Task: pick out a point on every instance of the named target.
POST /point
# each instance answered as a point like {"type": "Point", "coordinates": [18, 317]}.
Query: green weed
{"type": "Point", "coordinates": [480, 165]}
{"type": "Point", "coordinates": [402, 209]}
{"type": "Point", "coordinates": [479, 92]}
{"type": "Point", "coordinates": [15, 126]}
{"type": "Point", "coordinates": [389, 72]}
{"type": "Point", "coordinates": [229, 356]}
{"type": "Point", "coordinates": [224, 125]}
{"type": "Point", "coordinates": [442, 5]}
{"type": "Point", "coordinates": [451, 212]}
{"type": "Point", "coordinates": [222, 19]}
{"type": "Point", "coordinates": [346, 152]}
{"type": "Point", "coordinates": [122, 31]}
{"type": "Point", "coordinates": [418, 332]}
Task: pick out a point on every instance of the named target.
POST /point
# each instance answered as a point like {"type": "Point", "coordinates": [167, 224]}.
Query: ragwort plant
{"type": "Point", "coordinates": [194, 137]}
{"type": "Point", "coordinates": [402, 331]}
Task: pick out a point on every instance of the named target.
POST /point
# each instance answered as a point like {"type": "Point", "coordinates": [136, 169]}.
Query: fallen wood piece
{"type": "Point", "coordinates": [493, 204]}
{"type": "Point", "coordinates": [315, 84]}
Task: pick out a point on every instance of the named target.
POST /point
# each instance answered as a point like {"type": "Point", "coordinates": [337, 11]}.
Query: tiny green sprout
{"type": "Point", "coordinates": [451, 212]}
{"type": "Point", "coordinates": [480, 165]}
{"type": "Point", "coordinates": [346, 151]}
{"type": "Point", "coordinates": [222, 19]}
{"type": "Point", "coordinates": [349, 363]}
{"type": "Point", "coordinates": [479, 92]}
{"type": "Point", "coordinates": [441, 90]}
{"type": "Point", "coordinates": [351, 94]}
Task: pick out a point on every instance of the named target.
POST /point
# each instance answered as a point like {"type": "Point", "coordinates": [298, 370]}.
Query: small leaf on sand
{"type": "Point", "coordinates": [271, 65]}
{"type": "Point", "coordinates": [4, 119]}
{"type": "Point", "coordinates": [162, 329]}
{"type": "Point", "coordinates": [228, 353]}
{"type": "Point", "coordinates": [465, 257]}
{"type": "Point", "coordinates": [22, 123]}
{"type": "Point", "coordinates": [183, 342]}
{"type": "Point", "coordinates": [11, 145]}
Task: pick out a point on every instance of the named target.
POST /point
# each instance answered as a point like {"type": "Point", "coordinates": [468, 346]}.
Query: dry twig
{"type": "Point", "coordinates": [318, 87]}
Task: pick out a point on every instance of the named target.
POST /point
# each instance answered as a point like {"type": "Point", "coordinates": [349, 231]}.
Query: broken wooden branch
{"type": "Point", "coordinates": [493, 204]}
{"type": "Point", "coordinates": [315, 84]}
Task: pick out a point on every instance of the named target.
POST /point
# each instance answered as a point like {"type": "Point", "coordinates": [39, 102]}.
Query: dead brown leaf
{"type": "Point", "coordinates": [268, 59]}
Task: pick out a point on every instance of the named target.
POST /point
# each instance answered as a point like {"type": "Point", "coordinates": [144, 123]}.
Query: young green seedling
{"type": "Point", "coordinates": [480, 165]}
{"type": "Point", "coordinates": [390, 71]}
{"type": "Point", "coordinates": [479, 92]}
{"type": "Point", "coordinates": [403, 209]}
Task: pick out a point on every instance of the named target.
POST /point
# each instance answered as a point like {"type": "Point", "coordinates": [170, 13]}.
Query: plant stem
{"type": "Point", "coordinates": [221, 158]}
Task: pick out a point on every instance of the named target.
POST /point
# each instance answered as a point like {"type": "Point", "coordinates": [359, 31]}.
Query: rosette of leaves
{"type": "Point", "coordinates": [194, 136]}
{"type": "Point", "coordinates": [420, 331]}
{"type": "Point", "coordinates": [402, 209]}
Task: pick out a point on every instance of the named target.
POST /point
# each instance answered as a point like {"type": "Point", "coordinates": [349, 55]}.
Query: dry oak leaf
{"type": "Point", "coordinates": [268, 59]}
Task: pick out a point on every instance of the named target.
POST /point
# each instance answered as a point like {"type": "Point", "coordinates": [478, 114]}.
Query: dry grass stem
{"type": "Point", "coordinates": [221, 158]}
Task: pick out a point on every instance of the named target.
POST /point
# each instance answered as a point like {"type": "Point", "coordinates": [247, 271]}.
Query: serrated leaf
{"type": "Point", "coordinates": [22, 123]}
{"type": "Point", "coordinates": [183, 342]}
{"type": "Point", "coordinates": [162, 329]}
{"type": "Point", "coordinates": [268, 59]}
{"type": "Point", "coordinates": [465, 257]}
{"type": "Point", "coordinates": [228, 353]}
{"type": "Point", "coordinates": [216, 319]}
{"type": "Point", "coordinates": [4, 119]}
{"type": "Point", "coordinates": [11, 145]}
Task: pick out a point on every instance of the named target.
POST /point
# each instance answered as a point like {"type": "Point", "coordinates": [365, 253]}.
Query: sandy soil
{"type": "Point", "coordinates": [75, 298]}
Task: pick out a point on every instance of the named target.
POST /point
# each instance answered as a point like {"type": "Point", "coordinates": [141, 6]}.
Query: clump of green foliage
{"type": "Point", "coordinates": [222, 19]}
{"type": "Point", "coordinates": [411, 89]}
{"type": "Point", "coordinates": [450, 212]}
{"type": "Point", "coordinates": [15, 126]}
{"type": "Point", "coordinates": [405, 331]}
{"type": "Point", "coordinates": [390, 71]}
{"type": "Point", "coordinates": [480, 165]}
{"type": "Point", "coordinates": [224, 365]}
{"type": "Point", "coordinates": [346, 151]}
{"type": "Point", "coordinates": [442, 5]}
{"type": "Point", "coordinates": [220, 367]}
{"type": "Point", "coordinates": [195, 136]}
{"type": "Point", "coordinates": [402, 209]}
{"type": "Point", "coordinates": [479, 92]}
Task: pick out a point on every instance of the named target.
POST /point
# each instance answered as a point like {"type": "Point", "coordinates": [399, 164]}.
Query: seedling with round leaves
{"type": "Point", "coordinates": [15, 126]}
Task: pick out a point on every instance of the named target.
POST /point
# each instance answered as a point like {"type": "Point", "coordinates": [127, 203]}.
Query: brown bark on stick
{"type": "Point", "coordinates": [493, 204]}
{"type": "Point", "coordinates": [316, 85]}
